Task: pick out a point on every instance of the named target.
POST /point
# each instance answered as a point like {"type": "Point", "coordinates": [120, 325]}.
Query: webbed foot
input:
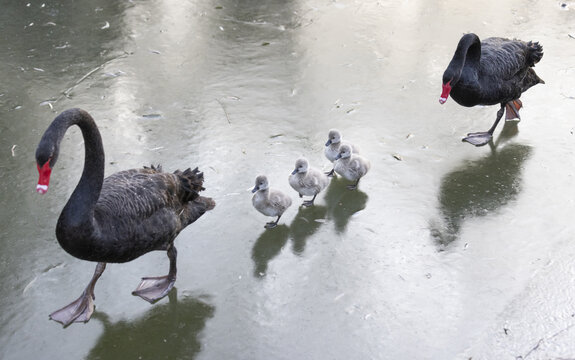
{"type": "Point", "coordinates": [153, 289]}
{"type": "Point", "coordinates": [512, 110]}
{"type": "Point", "coordinates": [307, 203]}
{"type": "Point", "coordinates": [79, 310]}
{"type": "Point", "coordinates": [330, 173]}
{"type": "Point", "coordinates": [271, 225]}
{"type": "Point", "coordinates": [478, 138]}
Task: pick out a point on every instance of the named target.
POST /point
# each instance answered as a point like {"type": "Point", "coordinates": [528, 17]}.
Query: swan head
{"type": "Point", "coordinates": [451, 75]}
{"type": "Point", "coordinates": [46, 157]}
{"type": "Point", "coordinates": [344, 152]}
{"type": "Point", "coordinates": [333, 137]}
{"type": "Point", "coordinates": [261, 183]}
{"type": "Point", "coordinates": [301, 166]}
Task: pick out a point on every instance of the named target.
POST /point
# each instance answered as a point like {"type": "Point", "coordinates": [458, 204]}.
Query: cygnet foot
{"type": "Point", "coordinates": [271, 225]}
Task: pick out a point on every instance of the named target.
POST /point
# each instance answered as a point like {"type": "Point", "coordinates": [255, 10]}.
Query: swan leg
{"type": "Point", "coordinates": [482, 138]}
{"type": "Point", "coordinates": [331, 173]}
{"type": "Point", "coordinates": [512, 110]}
{"type": "Point", "coordinates": [309, 202]}
{"type": "Point", "coordinates": [81, 309]}
{"type": "Point", "coordinates": [272, 224]}
{"type": "Point", "coordinates": [153, 289]}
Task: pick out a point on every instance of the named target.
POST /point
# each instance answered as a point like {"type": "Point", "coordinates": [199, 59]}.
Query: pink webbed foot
{"type": "Point", "coordinates": [153, 289]}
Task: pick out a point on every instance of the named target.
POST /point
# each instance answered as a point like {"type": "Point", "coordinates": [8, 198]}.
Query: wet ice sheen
{"type": "Point", "coordinates": [453, 252]}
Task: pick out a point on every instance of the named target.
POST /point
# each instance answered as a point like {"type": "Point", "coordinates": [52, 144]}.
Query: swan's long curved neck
{"type": "Point", "coordinates": [78, 212]}
{"type": "Point", "coordinates": [468, 52]}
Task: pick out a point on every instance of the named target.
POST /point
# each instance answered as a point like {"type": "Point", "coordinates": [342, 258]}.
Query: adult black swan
{"type": "Point", "coordinates": [121, 217]}
{"type": "Point", "coordinates": [489, 72]}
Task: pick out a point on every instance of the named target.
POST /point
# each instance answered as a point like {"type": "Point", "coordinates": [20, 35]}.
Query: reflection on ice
{"type": "Point", "coordinates": [478, 188]}
{"type": "Point", "coordinates": [268, 246]}
{"type": "Point", "coordinates": [168, 331]}
{"type": "Point", "coordinates": [343, 203]}
{"type": "Point", "coordinates": [271, 242]}
{"type": "Point", "coordinates": [304, 225]}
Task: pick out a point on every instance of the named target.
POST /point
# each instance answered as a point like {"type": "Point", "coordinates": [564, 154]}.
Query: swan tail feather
{"type": "Point", "coordinates": [534, 53]}
{"type": "Point", "coordinates": [155, 168]}
{"type": "Point", "coordinates": [192, 183]}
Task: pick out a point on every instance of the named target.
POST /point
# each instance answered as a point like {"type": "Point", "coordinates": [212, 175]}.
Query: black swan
{"type": "Point", "coordinates": [489, 72]}
{"type": "Point", "coordinates": [121, 217]}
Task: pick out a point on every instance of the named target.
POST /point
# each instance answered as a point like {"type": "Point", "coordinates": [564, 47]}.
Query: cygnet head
{"type": "Point", "coordinates": [301, 166]}
{"type": "Point", "coordinates": [261, 183]}
{"type": "Point", "coordinates": [334, 137]}
{"type": "Point", "coordinates": [344, 152]}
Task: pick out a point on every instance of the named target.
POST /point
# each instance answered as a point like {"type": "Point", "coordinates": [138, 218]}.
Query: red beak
{"type": "Point", "coordinates": [44, 180]}
{"type": "Point", "coordinates": [445, 92]}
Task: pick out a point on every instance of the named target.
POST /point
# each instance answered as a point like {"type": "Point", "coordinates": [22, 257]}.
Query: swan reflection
{"type": "Point", "coordinates": [167, 331]}
{"type": "Point", "coordinates": [478, 188]}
